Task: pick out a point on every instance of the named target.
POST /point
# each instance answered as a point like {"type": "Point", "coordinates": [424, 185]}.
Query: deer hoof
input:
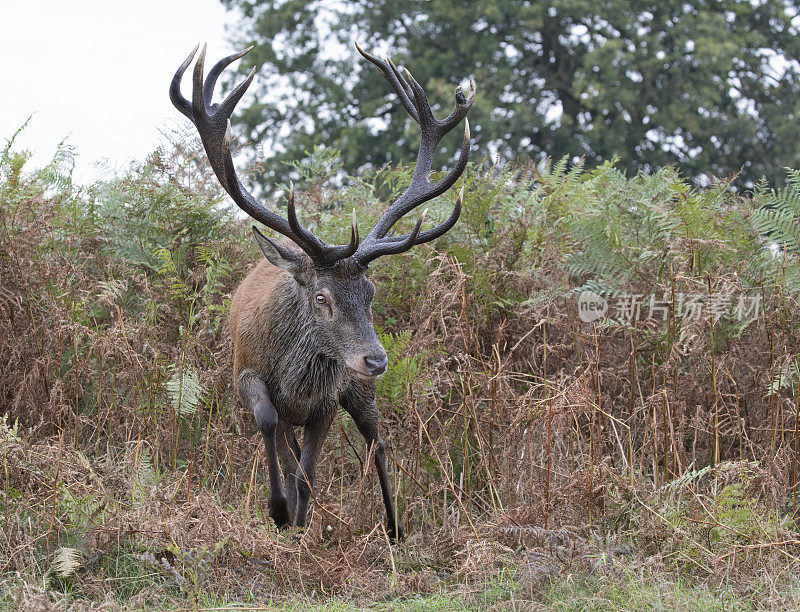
{"type": "Point", "coordinates": [279, 511]}
{"type": "Point", "coordinates": [396, 532]}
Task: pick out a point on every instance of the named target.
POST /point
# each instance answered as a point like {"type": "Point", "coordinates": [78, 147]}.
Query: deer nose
{"type": "Point", "coordinates": [376, 364]}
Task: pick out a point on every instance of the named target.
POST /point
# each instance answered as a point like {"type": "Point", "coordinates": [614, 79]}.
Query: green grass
{"type": "Point", "coordinates": [638, 591]}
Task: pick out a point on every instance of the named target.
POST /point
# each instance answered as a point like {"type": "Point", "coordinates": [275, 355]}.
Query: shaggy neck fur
{"type": "Point", "coordinates": [304, 370]}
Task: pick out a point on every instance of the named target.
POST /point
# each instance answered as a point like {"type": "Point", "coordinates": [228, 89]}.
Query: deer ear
{"type": "Point", "coordinates": [281, 257]}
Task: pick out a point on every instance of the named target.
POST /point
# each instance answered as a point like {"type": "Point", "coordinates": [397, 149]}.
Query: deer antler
{"type": "Point", "coordinates": [414, 100]}
{"type": "Point", "coordinates": [213, 124]}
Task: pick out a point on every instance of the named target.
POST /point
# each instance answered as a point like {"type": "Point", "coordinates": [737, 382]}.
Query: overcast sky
{"type": "Point", "coordinates": [97, 73]}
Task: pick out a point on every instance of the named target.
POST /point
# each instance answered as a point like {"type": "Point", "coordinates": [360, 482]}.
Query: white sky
{"type": "Point", "coordinates": [98, 74]}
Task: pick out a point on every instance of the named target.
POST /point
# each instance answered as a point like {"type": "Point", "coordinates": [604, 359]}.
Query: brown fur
{"type": "Point", "coordinates": [250, 311]}
{"type": "Point", "coordinates": [296, 360]}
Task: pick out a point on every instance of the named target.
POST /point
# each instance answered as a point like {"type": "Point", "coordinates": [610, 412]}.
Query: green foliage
{"type": "Point", "coordinates": [129, 574]}
{"type": "Point", "coordinates": [187, 569]}
{"type": "Point", "coordinates": [213, 290]}
{"type": "Point", "coordinates": [54, 179]}
{"type": "Point", "coordinates": [709, 512]}
{"type": "Point", "coordinates": [777, 219]}
{"type": "Point", "coordinates": [118, 359]}
{"type": "Point", "coordinates": [178, 289]}
{"type": "Point", "coordinates": [627, 230]}
{"type": "Point", "coordinates": [9, 432]}
{"type": "Point", "coordinates": [134, 271]}
{"type": "Point", "coordinates": [612, 233]}
{"type": "Point", "coordinates": [711, 87]}
{"type": "Point", "coordinates": [142, 472]}
{"type": "Point", "coordinates": [185, 391]}
{"type": "Point", "coordinates": [404, 368]}
{"type": "Point", "coordinates": [779, 211]}
{"type": "Point", "coordinates": [643, 589]}
{"type": "Point", "coordinates": [317, 166]}
{"type": "Point", "coordinates": [735, 512]}
{"type": "Point", "coordinates": [81, 510]}
{"type": "Point", "coordinates": [205, 300]}
{"type": "Point", "coordinates": [146, 211]}
{"type": "Point", "coordinates": [57, 174]}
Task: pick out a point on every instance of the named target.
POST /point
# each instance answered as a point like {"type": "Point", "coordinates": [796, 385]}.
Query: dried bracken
{"type": "Point", "coordinates": [524, 442]}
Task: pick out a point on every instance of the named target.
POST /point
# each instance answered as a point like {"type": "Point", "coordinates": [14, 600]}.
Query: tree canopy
{"type": "Point", "coordinates": [713, 86]}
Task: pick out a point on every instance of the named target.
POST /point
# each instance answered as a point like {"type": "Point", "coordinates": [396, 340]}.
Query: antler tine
{"type": "Point", "coordinates": [389, 244]}
{"type": "Point", "coordinates": [213, 125]}
{"type": "Point", "coordinates": [213, 74]}
{"type": "Point", "coordinates": [307, 239]}
{"type": "Point", "coordinates": [349, 249]}
{"type": "Point", "coordinates": [420, 100]}
{"type": "Point", "coordinates": [426, 190]}
{"type": "Point", "coordinates": [406, 88]}
{"type": "Point", "coordinates": [391, 74]}
{"type": "Point", "coordinates": [462, 106]}
{"type": "Point", "coordinates": [421, 190]}
{"type": "Point", "coordinates": [396, 244]}
{"type": "Point", "coordinates": [175, 95]}
{"type": "Point", "coordinates": [344, 251]}
{"type": "Point", "coordinates": [244, 198]}
{"type": "Point", "coordinates": [439, 230]}
{"type": "Point", "coordinates": [414, 99]}
{"type": "Point", "coordinates": [326, 254]}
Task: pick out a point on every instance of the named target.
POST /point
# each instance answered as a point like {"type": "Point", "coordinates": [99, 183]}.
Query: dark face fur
{"type": "Point", "coordinates": [339, 299]}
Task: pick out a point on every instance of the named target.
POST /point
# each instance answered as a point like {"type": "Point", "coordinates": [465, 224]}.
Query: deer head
{"type": "Point", "coordinates": [332, 276]}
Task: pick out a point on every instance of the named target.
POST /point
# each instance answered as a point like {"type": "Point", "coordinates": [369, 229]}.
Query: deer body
{"type": "Point", "coordinates": [274, 337]}
{"type": "Point", "coordinates": [290, 363]}
{"type": "Point", "coordinates": [301, 321]}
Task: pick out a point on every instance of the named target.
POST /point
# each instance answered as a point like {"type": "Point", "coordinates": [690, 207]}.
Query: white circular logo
{"type": "Point", "coordinates": [591, 306]}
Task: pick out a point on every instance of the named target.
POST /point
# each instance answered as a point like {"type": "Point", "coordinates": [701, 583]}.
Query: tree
{"type": "Point", "coordinates": [712, 86]}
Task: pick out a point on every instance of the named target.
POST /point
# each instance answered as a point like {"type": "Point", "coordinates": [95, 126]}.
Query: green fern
{"type": "Point", "coordinates": [57, 174]}
{"type": "Point", "coordinates": [142, 472]}
{"type": "Point", "coordinates": [778, 218]}
{"type": "Point", "coordinates": [217, 270]}
{"type": "Point", "coordinates": [779, 214]}
{"type": "Point", "coordinates": [403, 367]}
{"type": "Point", "coordinates": [320, 164]}
{"type": "Point", "coordinates": [179, 290]}
{"type": "Point", "coordinates": [185, 391]}
{"type": "Point", "coordinates": [9, 433]}
{"type": "Point", "coordinates": [163, 203]}
{"type": "Point", "coordinates": [689, 477]}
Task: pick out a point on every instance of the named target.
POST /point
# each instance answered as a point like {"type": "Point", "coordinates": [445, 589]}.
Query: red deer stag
{"type": "Point", "coordinates": [301, 320]}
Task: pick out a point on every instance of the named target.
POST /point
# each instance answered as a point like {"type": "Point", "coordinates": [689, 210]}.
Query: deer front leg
{"type": "Point", "coordinates": [313, 438]}
{"type": "Point", "coordinates": [254, 394]}
{"type": "Point", "coordinates": [360, 404]}
{"type": "Point", "coordinates": [289, 454]}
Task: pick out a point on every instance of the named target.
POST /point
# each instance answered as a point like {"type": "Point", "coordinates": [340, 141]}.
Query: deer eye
{"type": "Point", "coordinates": [321, 299]}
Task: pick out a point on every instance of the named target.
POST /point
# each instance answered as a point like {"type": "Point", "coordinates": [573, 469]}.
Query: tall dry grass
{"type": "Point", "coordinates": [525, 444]}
